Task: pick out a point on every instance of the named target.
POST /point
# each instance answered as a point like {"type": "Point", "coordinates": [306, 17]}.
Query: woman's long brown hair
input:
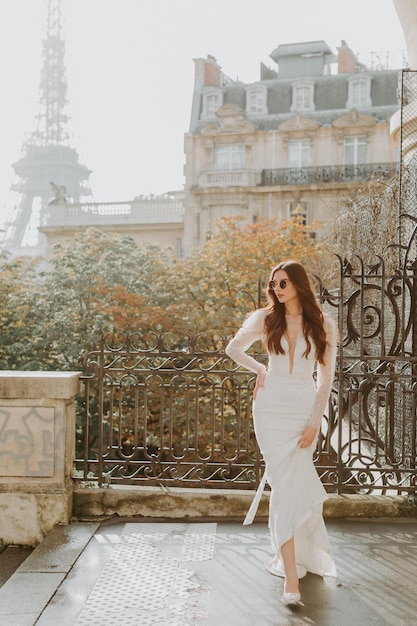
{"type": "Point", "coordinates": [275, 323]}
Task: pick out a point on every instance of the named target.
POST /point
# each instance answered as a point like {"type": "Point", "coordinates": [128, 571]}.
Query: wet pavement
{"type": "Point", "coordinates": [130, 573]}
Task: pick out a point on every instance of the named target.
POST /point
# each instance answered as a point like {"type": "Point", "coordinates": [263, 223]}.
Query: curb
{"type": "Point", "coordinates": [100, 503]}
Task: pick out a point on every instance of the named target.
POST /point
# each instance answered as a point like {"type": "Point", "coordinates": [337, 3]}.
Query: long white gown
{"type": "Point", "coordinates": [289, 401]}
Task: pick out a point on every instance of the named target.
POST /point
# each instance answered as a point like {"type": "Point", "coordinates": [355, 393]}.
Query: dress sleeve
{"type": "Point", "coordinates": [325, 373]}
{"type": "Point", "coordinates": [251, 331]}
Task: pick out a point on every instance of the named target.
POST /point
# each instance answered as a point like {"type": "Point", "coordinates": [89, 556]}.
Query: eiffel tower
{"type": "Point", "coordinates": [49, 166]}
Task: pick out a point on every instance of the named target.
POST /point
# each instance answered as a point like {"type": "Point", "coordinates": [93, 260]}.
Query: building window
{"type": "Point", "coordinates": [256, 98]}
{"type": "Point", "coordinates": [303, 96]}
{"type": "Point", "coordinates": [298, 210]}
{"type": "Point", "coordinates": [212, 214]}
{"type": "Point", "coordinates": [212, 101]}
{"type": "Point", "coordinates": [229, 157]}
{"type": "Point", "coordinates": [359, 93]}
{"type": "Point", "coordinates": [354, 150]}
{"type": "Point", "coordinates": [299, 153]}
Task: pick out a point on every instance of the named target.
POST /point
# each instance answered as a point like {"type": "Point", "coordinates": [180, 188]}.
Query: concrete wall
{"type": "Point", "coordinates": [37, 447]}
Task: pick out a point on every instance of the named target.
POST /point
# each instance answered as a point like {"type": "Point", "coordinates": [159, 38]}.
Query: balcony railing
{"type": "Point", "coordinates": [325, 174]}
{"type": "Point", "coordinates": [156, 211]}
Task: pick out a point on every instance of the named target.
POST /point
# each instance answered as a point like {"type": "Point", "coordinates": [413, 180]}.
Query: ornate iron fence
{"type": "Point", "coordinates": [370, 438]}
{"type": "Point", "coordinates": [161, 409]}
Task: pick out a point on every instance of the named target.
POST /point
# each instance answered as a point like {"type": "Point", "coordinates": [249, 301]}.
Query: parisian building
{"type": "Point", "coordinates": [301, 140]}
{"type": "Point", "coordinates": [154, 220]}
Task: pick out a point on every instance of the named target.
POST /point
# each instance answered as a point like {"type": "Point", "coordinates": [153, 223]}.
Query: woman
{"type": "Point", "coordinates": [287, 410]}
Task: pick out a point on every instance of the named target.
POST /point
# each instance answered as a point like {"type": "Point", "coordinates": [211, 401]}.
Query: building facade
{"type": "Point", "coordinates": [302, 140]}
{"type": "Point", "coordinates": [157, 220]}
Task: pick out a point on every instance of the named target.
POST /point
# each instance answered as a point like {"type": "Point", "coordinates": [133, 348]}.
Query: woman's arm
{"type": "Point", "coordinates": [251, 331]}
{"type": "Point", "coordinates": [325, 373]}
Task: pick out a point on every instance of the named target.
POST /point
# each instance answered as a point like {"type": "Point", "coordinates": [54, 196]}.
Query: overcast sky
{"type": "Point", "coordinates": [130, 72]}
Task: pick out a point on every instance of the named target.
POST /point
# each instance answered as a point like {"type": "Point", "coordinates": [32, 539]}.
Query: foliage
{"type": "Point", "coordinates": [104, 282]}
{"type": "Point", "coordinates": [369, 225]}
{"type": "Point", "coordinates": [101, 282]}
{"type": "Point", "coordinates": [219, 283]}
{"type": "Point", "coordinates": [21, 291]}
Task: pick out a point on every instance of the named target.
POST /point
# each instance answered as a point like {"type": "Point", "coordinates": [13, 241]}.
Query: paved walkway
{"type": "Point", "coordinates": [128, 573]}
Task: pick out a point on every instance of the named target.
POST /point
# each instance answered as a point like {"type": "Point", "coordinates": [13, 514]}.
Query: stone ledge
{"type": "Point", "coordinates": [354, 505]}
{"type": "Point", "coordinates": [38, 384]}
{"type": "Point", "coordinates": [184, 503]}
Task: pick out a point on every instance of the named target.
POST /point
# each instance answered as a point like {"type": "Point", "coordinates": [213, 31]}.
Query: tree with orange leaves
{"type": "Point", "coordinates": [219, 283]}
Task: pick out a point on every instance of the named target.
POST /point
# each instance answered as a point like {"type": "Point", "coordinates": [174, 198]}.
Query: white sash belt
{"type": "Point", "coordinates": [255, 502]}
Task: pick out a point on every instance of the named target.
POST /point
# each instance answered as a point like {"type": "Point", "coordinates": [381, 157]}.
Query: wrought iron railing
{"type": "Point", "coordinates": [374, 440]}
{"type": "Point", "coordinates": [167, 410]}
{"type": "Point", "coordinates": [159, 409]}
{"type": "Point", "coordinates": [325, 174]}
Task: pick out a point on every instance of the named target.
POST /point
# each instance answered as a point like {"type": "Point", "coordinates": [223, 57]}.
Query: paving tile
{"type": "Point", "coordinates": [71, 596]}
{"type": "Point", "coordinates": [60, 548]}
{"type": "Point", "coordinates": [28, 619]}
{"type": "Point", "coordinates": [183, 574]}
{"type": "Point", "coordinates": [147, 578]}
{"type": "Point", "coordinates": [28, 593]}
{"type": "Point", "coordinates": [10, 559]}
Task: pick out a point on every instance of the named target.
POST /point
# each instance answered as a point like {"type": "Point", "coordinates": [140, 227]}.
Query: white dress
{"type": "Point", "coordinates": [288, 403]}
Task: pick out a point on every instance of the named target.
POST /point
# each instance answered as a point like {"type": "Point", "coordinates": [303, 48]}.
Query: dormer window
{"type": "Point", "coordinates": [212, 101]}
{"type": "Point", "coordinates": [303, 96]}
{"type": "Point", "coordinates": [359, 92]}
{"type": "Point", "coordinates": [256, 98]}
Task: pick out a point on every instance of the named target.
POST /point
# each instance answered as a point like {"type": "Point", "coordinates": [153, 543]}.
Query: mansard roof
{"type": "Point", "coordinates": [330, 98]}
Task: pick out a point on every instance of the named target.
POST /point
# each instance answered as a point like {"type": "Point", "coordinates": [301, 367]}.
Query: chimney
{"type": "Point", "coordinates": [212, 71]}
{"type": "Point", "coordinates": [207, 71]}
{"type": "Point", "coordinates": [346, 60]}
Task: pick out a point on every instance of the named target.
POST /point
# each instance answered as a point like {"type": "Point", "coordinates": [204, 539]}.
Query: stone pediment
{"type": "Point", "coordinates": [354, 118]}
{"type": "Point", "coordinates": [231, 119]}
{"type": "Point", "coordinates": [298, 123]}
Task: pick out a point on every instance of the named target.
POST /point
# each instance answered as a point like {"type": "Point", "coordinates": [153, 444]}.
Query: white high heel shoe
{"type": "Point", "coordinates": [291, 598]}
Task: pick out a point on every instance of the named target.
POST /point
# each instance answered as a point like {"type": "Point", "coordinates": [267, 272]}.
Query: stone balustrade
{"type": "Point", "coordinates": [37, 446]}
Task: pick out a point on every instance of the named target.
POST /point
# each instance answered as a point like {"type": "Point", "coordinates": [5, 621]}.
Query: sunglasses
{"type": "Point", "coordinates": [283, 284]}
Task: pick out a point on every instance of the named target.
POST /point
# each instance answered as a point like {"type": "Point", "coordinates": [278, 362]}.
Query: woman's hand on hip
{"type": "Point", "coordinates": [307, 437]}
{"type": "Point", "coordinates": [260, 382]}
